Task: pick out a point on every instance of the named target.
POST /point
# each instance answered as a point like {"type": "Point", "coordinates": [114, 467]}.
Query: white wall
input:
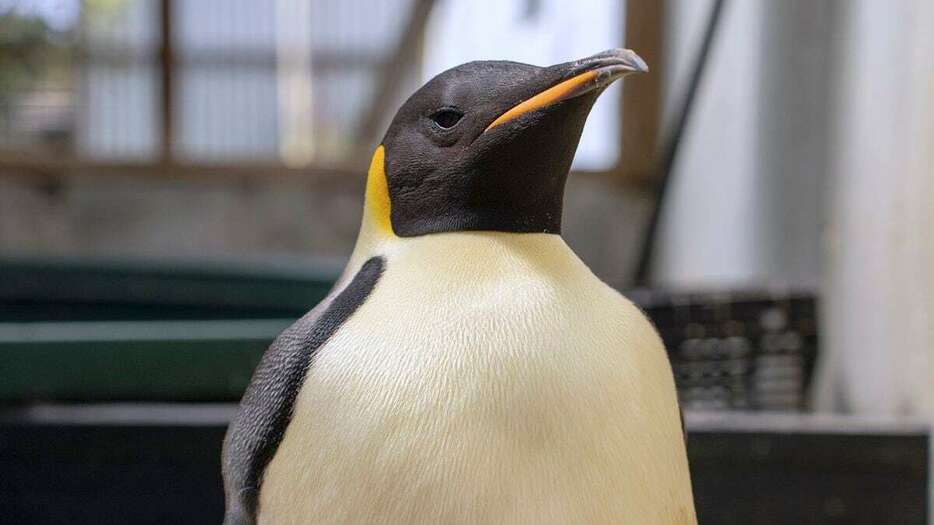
{"type": "Point", "coordinates": [880, 268]}
{"type": "Point", "coordinates": [744, 208]}
{"type": "Point", "coordinates": [709, 233]}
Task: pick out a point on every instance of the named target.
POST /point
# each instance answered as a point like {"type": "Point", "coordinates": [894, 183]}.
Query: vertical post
{"type": "Point", "coordinates": [294, 82]}
{"type": "Point", "coordinates": [642, 98]}
{"type": "Point", "coordinates": [166, 68]}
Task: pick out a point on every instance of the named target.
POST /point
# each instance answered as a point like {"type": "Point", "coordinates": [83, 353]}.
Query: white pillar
{"type": "Point", "coordinates": [710, 232]}
{"type": "Point", "coordinates": [747, 196]}
{"type": "Point", "coordinates": [879, 272]}
{"type": "Point", "coordinates": [294, 82]}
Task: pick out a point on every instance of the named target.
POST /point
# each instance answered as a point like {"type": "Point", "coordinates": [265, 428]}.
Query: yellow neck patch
{"type": "Point", "coordinates": [378, 207]}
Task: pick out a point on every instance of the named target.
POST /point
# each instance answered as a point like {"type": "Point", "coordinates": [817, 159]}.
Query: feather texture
{"type": "Point", "coordinates": [488, 378]}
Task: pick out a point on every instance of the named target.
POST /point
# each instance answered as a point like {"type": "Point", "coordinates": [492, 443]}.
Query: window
{"type": "Point", "coordinates": [249, 84]}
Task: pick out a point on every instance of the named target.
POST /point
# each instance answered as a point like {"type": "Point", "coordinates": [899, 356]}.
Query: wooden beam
{"type": "Point", "coordinates": [322, 60]}
{"type": "Point", "coordinates": [642, 97]}
{"type": "Point", "coordinates": [42, 165]}
{"type": "Point", "coordinates": [166, 69]}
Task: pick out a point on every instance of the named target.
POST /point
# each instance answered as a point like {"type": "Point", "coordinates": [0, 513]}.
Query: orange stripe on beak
{"type": "Point", "coordinates": [554, 94]}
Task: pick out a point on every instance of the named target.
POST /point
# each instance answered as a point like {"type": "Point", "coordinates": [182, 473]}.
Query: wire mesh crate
{"type": "Point", "coordinates": [737, 351]}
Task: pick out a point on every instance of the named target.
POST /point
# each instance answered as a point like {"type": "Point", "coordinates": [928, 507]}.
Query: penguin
{"type": "Point", "coordinates": [467, 367]}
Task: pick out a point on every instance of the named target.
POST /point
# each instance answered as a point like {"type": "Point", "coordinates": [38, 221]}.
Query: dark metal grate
{"type": "Point", "coordinates": [750, 351]}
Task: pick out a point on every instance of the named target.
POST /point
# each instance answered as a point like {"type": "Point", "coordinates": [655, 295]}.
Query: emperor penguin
{"type": "Point", "coordinates": [467, 367]}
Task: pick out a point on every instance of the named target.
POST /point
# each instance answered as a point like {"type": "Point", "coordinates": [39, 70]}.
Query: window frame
{"type": "Point", "coordinates": [640, 129]}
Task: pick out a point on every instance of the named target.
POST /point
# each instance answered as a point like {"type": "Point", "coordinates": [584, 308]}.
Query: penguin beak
{"type": "Point", "coordinates": [577, 78]}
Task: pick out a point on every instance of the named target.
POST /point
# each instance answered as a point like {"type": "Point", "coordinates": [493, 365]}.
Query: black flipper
{"type": "Point", "coordinates": [266, 407]}
{"type": "Point", "coordinates": [684, 431]}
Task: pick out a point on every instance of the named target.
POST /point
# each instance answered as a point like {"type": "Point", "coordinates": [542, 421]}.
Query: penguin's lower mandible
{"type": "Point", "coordinates": [467, 367]}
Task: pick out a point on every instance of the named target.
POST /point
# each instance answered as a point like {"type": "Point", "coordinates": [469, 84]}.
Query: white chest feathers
{"type": "Point", "coordinates": [488, 378]}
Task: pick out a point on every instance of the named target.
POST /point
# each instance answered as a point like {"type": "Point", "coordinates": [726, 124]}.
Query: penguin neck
{"type": "Point", "coordinates": [436, 251]}
{"type": "Point", "coordinates": [475, 256]}
{"type": "Point", "coordinates": [376, 226]}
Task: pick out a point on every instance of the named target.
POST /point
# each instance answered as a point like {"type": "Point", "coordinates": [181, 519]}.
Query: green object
{"type": "Point", "coordinates": [148, 360]}
{"type": "Point", "coordinates": [95, 331]}
{"type": "Point", "coordinates": [95, 290]}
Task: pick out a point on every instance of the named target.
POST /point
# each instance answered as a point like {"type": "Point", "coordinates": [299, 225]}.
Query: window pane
{"type": "Point", "coordinates": [226, 82]}
{"type": "Point", "coordinates": [281, 81]}
{"type": "Point", "coordinates": [118, 119]}
{"type": "Point", "coordinates": [226, 112]}
{"type": "Point", "coordinates": [118, 96]}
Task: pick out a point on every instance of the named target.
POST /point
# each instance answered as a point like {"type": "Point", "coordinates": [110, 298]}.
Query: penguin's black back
{"type": "Point", "coordinates": [267, 405]}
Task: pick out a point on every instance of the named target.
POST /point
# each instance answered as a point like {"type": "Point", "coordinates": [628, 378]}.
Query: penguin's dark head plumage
{"type": "Point", "coordinates": [488, 145]}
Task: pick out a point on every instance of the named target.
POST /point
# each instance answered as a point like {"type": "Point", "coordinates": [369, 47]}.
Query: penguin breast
{"type": "Point", "coordinates": [488, 378]}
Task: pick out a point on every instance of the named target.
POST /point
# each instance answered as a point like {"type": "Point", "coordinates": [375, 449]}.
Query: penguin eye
{"type": "Point", "coordinates": [447, 118]}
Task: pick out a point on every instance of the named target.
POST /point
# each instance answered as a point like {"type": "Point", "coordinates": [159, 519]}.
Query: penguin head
{"type": "Point", "coordinates": [488, 145]}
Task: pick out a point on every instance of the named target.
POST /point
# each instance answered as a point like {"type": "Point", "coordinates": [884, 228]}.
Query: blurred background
{"type": "Point", "coordinates": [181, 179]}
